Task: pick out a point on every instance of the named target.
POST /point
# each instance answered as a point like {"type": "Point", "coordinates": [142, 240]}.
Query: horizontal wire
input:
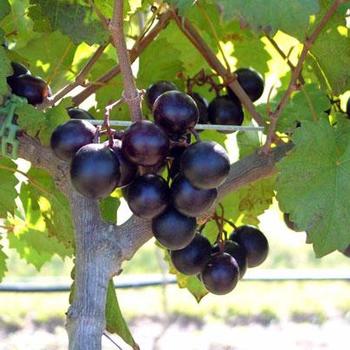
{"type": "Point", "coordinates": [124, 123]}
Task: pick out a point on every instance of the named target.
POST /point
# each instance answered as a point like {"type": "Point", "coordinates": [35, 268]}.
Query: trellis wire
{"type": "Point", "coordinates": [153, 281]}
{"type": "Point", "coordinates": [125, 124]}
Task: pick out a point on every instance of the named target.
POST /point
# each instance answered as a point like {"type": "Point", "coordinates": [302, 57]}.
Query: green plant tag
{"type": "Point", "coordinates": [8, 130]}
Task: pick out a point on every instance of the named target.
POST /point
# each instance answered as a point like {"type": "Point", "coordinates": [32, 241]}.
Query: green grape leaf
{"type": "Point", "coordinates": [187, 58]}
{"type": "Point", "coordinates": [181, 5]}
{"type": "Point", "coordinates": [29, 237]}
{"type": "Point", "coordinates": [168, 64]}
{"type": "Point", "coordinates": [332, 53]}
{"type": "Point", "coordinates": [313, 184]}
{"type": "Point", "coordinates": [18, 23]}
{"type": "Point", "coordinates": [115, 322]}
{"type": "Point", "coordinates": [30, 119]}
{"type": "Point", "coordinates": [291, 17]}
{"type": "Point", "coordinates": [108, 208]}
{"type": "Point", "coordinates": [254, 199]}
{"type": "Point", "coordinates": [243, 41]}
{"type": "Point", "coordinates": [8, 181]}
{"type": "Point", "coordinates": [5, 71]}
{"type": "Point", "coordinates": [76, 20]}
{"type": "Point", "coordinates": [191, 283]}
{"type": "Point", "coordinates": [310, 103]}
{"type": "Point", "coordinates": [5, 8]}
{"type": "Point", "coordinates": [54, 206]}
{"type": "Point", "coordinates": [3, 266]}
{"type": "Point", "coordinates": [51, 56]}
{"type": "Point", "coordinates": [54, 117]}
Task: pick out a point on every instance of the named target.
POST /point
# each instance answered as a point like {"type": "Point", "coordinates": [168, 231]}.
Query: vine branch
{"type": "Point", "coordinates": [229, 78]}
{"type": "Point", "coordinates": [131, 94]}
{"type": "Point", "coordinates": [79, 79]}
{"type": "Point", "coordinates": [296, 73]}
{"type": "Point", "coordinates": [138, 48]}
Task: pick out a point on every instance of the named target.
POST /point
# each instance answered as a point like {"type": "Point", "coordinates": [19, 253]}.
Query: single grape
{"type": "Point", "coordinates": [225, 111]}
{"type": "Point", "coordinates": [237, 252]}
{"type": "Point", "coordinates": [221, 274]}
{"type": "Point", "coordinates": [176, 112]}
{"type": "Point", "coordinates": [19, 69]}
{"type": "Point", "coordinates": [156, 89]}
{"type": "Point", "coordinates": [78, 113]}
{"type": "Point", "coordinates": [128, 170]}
{"type": "Point", "coordinates": [192, 259]}
{"type": "Point", "coordinates": [34, 89]}
{"type": "Point", "coordinates": [69, 137]}
{"type": "Point", "coordinates": [173, 229]}
{"type": "Point", "coordinates": [144, 143]}
{"type": "Point", "coordinates": [148, 196]}
{"type": "Point", "coordinates": [189, 200]}
{"type": "Point", "coordinates": [202, 105]}
{"type": "Point", "coordinates": [205, 164]}
{"type": "Point", "coordinates": [251, 82]}
{"type": "Point", "coordinates": [254, 242]}
{"type": "Point", "coordinates": [95, 171]}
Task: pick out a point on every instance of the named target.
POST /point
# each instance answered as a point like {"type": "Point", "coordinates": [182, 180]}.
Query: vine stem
{"type": "Point", "coordinates": [293, 85]}
{"type": "Point", "coordinates": [285, 57]}
{"type": "Point", "coordinates": [140, 45]}
{"type": "Point", "coordinates": [79, 80]}
{"type": "Point", "coordinates": [229, 78]}
{"type": "Point", "coordinates": [131, 94]}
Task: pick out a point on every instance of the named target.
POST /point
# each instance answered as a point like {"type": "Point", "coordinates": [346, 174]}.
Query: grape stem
{"type": "Point", "coordinates": [79, 80]}
{"type": "Point", "coordinates": [140, 45]}
{"type": "Point", "coordinates": [196, 135]}
{"type": "Point", "coordinates": [285, 57]}
{"type": "Point", "coordinates": [131, 94]}
{"type": "Point", "coordinates": [293, 84]}
{"type": "Point", "coordinates": [229, 78]}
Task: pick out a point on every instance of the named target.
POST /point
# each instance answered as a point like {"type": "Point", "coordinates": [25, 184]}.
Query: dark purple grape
{"type": "Point", "coordinates": [156, 89]}
{"type": "Point", "coordinates": [205, 164]}
{"type": "Point", "coordinates": [144, 143]}
{"type": "Point", "coordinates": [173, 229]}
{"type": "Point", "coordinates": [19, 69]}
{"type": "Point", "coordinates": [95, 171]}
{"type": "Point", "coordinates": [69, 137]}
{"type": "Point", "coordinates": [192, 259]}
{"type": "Point", "coordinates": [148, 196]}
{"type": "Point", "coordinates": [202, 105]}
{"type": "Point", "coordinates": [348, 107]}
{"type": "Point", "coordinates": [254, 242]}
{"type": "Point", "coordinates": [225, 111]}
{"type": "Point", "coordinates": [251, 82]}
{"type": "Point", "coordinates": [78, 113]}
{"type": "Point", "coordinates": [289, 223]}
{"type": "Point", "coordinates": [34, 89]}
{"type": "Point", "coordinates": [176, 112]}
{"type": "Point", "coordinates": [221, 274]}
{"type": "Point", "coordinates": [237, 252]}
{"type": "Point", "coordinates": [190, 200]}
{"type": "Point", "coordinates": [128, 170]}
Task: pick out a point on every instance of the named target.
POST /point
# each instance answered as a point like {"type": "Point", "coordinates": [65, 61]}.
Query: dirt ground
{"type": "Point", "coordinates": [179, 332]}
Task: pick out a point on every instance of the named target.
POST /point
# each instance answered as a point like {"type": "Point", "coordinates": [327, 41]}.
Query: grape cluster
{"type": "Point", "coordinates": [135, 160]}
{"type": "Point", "coordinates": [221, 266]}
{"type": "Point", "coordinates": [24, 84]}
